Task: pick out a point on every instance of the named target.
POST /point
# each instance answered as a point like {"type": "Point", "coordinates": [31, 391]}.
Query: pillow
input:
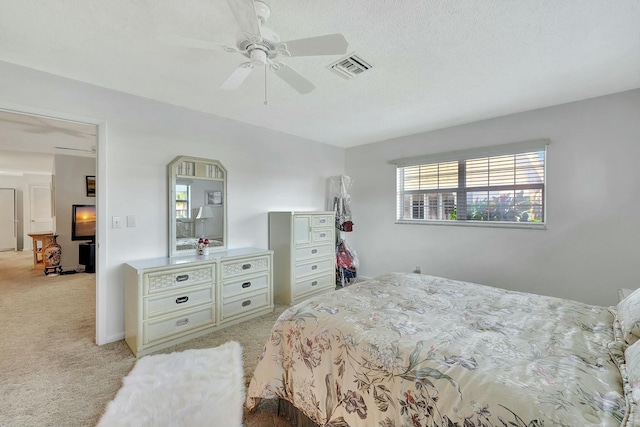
{"type": "Point", "coordinates": [183, 229]}
{"type": "Point", "coordinates": [628, 315]}
{"type": "Point", "coordinates": [617, 331]}
{"type": "Point", "coordinates": [616, 351]}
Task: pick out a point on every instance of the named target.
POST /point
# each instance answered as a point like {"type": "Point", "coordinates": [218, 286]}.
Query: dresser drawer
{"type": "Point", "coordinates": [178, 324]}
{"type": "Point", "coordinates": [244, 305]}
{"type": "Point", "coordinates": [319, 221]}
{"type": "Point", "coordinates": [317, 267]}
{"type": "Point", "coordinates": [185, 300]}
{"type": "Point", "coordinates": [245, 266]}
{"type": "Point", "coordinates": [314, 252]}
{"type": "Point", "coordinates": [239, 287]}
{"type": "Point", "coordinates": [160, 281]}
{"type": "Point", "coordinates": [315, 284]}
{"type": "Point", "coordinates": [318, 236]}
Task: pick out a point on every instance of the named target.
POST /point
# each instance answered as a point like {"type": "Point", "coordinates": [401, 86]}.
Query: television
{"type": "Point", "coordinates": [83, 222]}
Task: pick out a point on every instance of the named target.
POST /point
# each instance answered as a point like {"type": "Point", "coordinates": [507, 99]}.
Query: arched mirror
{"type": "Point", "coordinates": [197, 205]}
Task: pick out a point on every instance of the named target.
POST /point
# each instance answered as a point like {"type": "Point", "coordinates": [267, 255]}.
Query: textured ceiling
{"type": "Point", "coordinates": [436, 63]}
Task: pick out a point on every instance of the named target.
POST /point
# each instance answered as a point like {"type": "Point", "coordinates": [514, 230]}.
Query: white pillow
{"type": "Point", "coordinates": [628, 316]}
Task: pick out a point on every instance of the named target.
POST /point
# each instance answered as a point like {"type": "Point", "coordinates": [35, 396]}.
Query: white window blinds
{"type": "Point", "coordinates": [503, 184]}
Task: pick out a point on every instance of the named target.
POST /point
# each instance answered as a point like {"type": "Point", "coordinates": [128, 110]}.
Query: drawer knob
{"type": "Point", "coordinates": [245, 285]}
{"type": "Point", "coordinates": [323, 234]}
{"type": "Point", "coordinates": [182, 322]}
{"type": "Point", "coordinates": [246, 303]}
{"type": "Point", "coordinates": [182, 278]}
{"type": "Point", "coordinates": [246, 266]}
{"type": "Point", "coordinates": [314, 251]}
{"type": "Point", "coordinates": [180, 300]}
{"type": "Point", "coordinates": [314, 267]}
{"type": "Point", "coordinates": [322, 221]}
{"type": "Point", "coordinates": [315, 282]}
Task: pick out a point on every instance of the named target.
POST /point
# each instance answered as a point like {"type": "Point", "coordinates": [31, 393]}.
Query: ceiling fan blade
{"type": "Point", "coordinates": [41, 130]}
{"type": "Point", "coordinates": [238, 76]}
{"type": "Point", "coordinates": [292, 78]}
{"type": "Point", "coordinates": [46, 127]}
{"type": "Point", "coordinates": [91, 150]}
{"type": "Point", "coordinates": [179, 41]}
{"type": "Point", "coordinates": [245, 13]}
{"type": "Point", "coordinates": [330, 44]}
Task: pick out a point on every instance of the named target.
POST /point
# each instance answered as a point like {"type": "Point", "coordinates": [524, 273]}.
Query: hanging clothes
{"type": "Point", "coordinates": [346, 264]}
{"type": "Point", "coordinates": [340, 186]}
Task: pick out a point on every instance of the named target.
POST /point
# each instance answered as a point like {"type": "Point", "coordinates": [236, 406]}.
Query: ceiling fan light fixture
{"type": "Point", "coordinates": [258, 57]}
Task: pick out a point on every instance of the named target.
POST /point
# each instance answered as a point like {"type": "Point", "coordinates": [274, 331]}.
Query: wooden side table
{"type": "Point", "coordinates": [38, 260]}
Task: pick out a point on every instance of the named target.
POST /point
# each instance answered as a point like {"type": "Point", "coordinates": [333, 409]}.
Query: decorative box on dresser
{"type": "Point", "coordinates": [172, 300]}
{"type": "Point", "coordinates": [304, 260]}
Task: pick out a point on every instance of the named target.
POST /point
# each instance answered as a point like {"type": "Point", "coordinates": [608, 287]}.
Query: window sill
{"type": "Point", "coordinates": [488, 224]}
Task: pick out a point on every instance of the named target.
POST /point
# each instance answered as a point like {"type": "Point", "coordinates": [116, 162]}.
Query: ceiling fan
{"type": "Point", "coordinates": [263, 47]}
{"type": "Point", "coordinates": [91, 150]}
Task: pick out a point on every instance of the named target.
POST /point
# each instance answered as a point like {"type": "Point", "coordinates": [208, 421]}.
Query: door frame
{"type": "Point", "coordinates": [101, 203]}
{"type": "Point", "coordinates": [14, 221]}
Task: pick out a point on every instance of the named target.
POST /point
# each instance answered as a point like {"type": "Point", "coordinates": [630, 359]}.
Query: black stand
{"type": "Point", "coordinates": [87, 256]}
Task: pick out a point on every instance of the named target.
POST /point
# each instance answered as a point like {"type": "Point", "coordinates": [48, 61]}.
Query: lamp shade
{"type": "Point", "coordinates": [204, 212]}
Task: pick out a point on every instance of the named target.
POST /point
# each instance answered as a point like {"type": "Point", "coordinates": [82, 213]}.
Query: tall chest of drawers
{"type": "Point", "coordinates": [172, 300]}
{"type": "Point", "coordinates": [303, 244]}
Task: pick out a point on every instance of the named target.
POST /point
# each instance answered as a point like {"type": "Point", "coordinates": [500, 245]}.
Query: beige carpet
{"type": "Point", "coordinates": [51, 371]}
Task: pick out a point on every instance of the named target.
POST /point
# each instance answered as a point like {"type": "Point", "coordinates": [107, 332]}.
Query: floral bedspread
{"type": "Point", "coordinates": [418, 350]}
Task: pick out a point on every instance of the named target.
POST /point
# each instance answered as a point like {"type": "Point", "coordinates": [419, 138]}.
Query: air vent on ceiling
{"type": "Point", "coordinates": [349, 66]}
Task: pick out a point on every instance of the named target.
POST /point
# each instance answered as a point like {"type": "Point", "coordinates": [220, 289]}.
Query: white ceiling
{"type": "Point", "coordinates": [436, 63]}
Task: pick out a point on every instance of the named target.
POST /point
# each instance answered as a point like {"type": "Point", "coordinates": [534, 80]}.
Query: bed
{"type": "Point", "coordinates": [418, 350]}
{"type": "Point", "coordinates": [192, 243]}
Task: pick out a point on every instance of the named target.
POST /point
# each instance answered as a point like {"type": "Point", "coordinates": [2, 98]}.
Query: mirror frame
{"type": "Point", "coordinates": [194, 168]}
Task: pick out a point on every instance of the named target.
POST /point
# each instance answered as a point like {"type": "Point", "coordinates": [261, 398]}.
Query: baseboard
{"type": "Point", "coordinates": [114, 338]}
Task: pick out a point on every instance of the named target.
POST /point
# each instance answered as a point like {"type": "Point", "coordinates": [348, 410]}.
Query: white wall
{"type": "Point", "coordinates": [70, 188]}
{"type": "Point", "coordinates": [266, 171]}
{"type": "Point", "coordinates": [593, 201]}
{"type": "Point", "coordinates": [21, 170]}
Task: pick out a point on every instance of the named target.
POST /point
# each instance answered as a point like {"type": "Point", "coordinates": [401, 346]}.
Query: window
{"type": "Point", "coordinates": [182, 201]}
{"type": "Point", "coordinates": [501, 185]}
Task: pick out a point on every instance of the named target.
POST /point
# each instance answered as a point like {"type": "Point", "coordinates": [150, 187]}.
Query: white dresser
{"type": "Point", "coordinates": [304, 260]}
{"type": "Point", "coordinates": [172, 300]}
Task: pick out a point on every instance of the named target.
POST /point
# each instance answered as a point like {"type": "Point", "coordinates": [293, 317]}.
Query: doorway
{"type": "Point", "coordinates": [39, 135]}
{"type": "Point", "coordinates": [40, 214]}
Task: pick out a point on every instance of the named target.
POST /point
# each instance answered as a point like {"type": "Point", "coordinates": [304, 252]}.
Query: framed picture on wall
{"type": "Point", "coordinates": [213, 197]}
{"type": "Point", "coordinates": [91, 186]}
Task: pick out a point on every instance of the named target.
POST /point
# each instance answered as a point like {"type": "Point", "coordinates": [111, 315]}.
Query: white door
{"type": "Point", "coordinates": [41, 218]}
{"type": "Point", "coordinates": [8, 221]}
